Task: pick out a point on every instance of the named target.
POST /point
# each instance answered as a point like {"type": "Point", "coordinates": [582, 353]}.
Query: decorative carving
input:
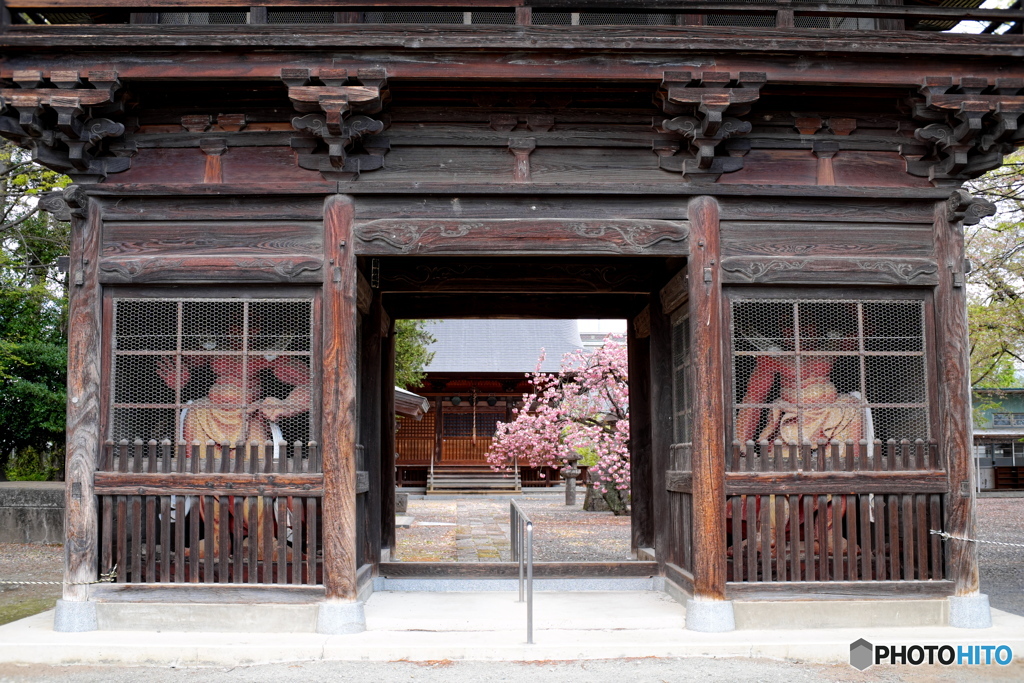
{"type": "Point", "coordinates": [963, 207]}
{"type": "Point", "coordinates": [71, 202]}
{"type": "Point", "coordinates": [617, 236]}
{"type": "Point", "coordinates": [61, 126]}
{"type": "Point", "coordinates": [209, 269]}
{"type": "Point", "coordinates": [707, 109]}
{"type": "Point", "coordinates": [340, 138]}
{"type": "Point", "coordinates": [762, 269]}
{"type": "Point", "coordinates": [969, 127]}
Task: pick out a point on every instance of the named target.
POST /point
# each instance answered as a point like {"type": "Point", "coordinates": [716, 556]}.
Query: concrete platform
{"type": "Point", "coordinates": [482, 626]}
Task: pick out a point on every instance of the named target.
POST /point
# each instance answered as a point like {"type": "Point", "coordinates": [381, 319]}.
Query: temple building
{"type": "Point", "coordinates": [476, 379]}
{"type": "Point", "coordinates": [770, 194]}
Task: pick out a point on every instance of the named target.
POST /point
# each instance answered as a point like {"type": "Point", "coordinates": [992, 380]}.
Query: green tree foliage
{"type": "Point", "coordinates": [996, 284]}
{"type": "Point", "coordinates": [33, 316]}
{"type": "Point", "coordinates": [412, 354]}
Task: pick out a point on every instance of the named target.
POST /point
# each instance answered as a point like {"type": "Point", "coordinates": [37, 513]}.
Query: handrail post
{"type": "Point", "coordinates": [529, 583]}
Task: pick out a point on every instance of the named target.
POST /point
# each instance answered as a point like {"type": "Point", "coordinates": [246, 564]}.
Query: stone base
{"type": "Point", "coordinates": [710, 616]}
{"type": "Point", "coordinates": [970, 611]}
{"type": "Point", "coordinates": [340, 618]}
{"type": "Point", "coordinates": [75, 616]}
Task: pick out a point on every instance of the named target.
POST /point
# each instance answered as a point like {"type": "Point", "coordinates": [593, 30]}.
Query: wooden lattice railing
{"type": "Point", "coordinates": [214, 513]}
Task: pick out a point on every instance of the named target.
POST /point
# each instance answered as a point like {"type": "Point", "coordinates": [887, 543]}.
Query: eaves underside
{"type": "Point", "coordinates": [505, 39]}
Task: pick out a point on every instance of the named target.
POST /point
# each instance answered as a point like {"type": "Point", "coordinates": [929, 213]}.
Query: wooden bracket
{"type": "Point", "coordinates": [969, 126]}
{"type": "Point", "coordinates": [963, 207]}
{"type": "Point", "coordinates": [76, 140]}
{"type": "Point", "coordinates": [63, 205]}
{"type": "Point", "coordinates": [522, 148]}
{"type": "Point", "coordinates": [340, 138]}
{"type": "Point", "coordinates": [706, 109]}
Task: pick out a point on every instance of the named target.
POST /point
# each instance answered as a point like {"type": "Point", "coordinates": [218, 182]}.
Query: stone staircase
{"type": "Point", "coordinates": [471, 479]}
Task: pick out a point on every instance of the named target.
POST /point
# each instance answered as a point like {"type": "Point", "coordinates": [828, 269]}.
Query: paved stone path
{"type": "Point", "coordinates": [477, 530]}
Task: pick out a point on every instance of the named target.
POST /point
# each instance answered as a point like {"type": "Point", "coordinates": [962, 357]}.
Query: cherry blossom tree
{"type": "Point", "coordinates": [582, 408]}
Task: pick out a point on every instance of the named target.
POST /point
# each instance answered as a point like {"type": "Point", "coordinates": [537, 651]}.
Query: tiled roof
{"type": "Point", "coordinates": [487, 345]}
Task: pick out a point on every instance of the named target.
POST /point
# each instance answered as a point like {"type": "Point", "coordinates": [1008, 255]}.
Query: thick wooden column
{"type": "Point", "coordinates": [705, 288]}
{"type": "Point", "coordinates": [660, 356]}
{"type": "Point", "coordinates": [339, 401]}
{"type": "Point", "coordinates": [387, 442]}
{"type": "Point", "coordinates": [638, 348]}
{"type": "Point", "coordinates": [83, 407]}
{"type": "Point", "coordinates": [370, 427]}
{"type": "Point", "coordinates": [954, 395]}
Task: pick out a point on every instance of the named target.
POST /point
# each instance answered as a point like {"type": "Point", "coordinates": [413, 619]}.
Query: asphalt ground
{"type": "Point", "coordinates": [653, 670]}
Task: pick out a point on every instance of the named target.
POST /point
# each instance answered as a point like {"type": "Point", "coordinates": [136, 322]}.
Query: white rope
{"type": "Point", "coordinates": [109, 577]}
{"type": "Point", "coordinates": [948, 536]}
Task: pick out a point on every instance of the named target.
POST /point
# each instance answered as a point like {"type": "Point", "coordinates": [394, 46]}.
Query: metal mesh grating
{"type": "Point", "coordinates": [414, 18]}
{"type": "Point", "coordinates": [198, 18]}
{"type": "Point", "coordinates": [821, 370]}
{"type": "Point", "coordinates": [286, 17]}
{"type": "Point", "coordinates": [616, 19]}
{"type": "Point", "coordinates": [552, 18]}
{"type": "Point", "coordinates": [763, 21]}
{"type": "Point", "coordinates": [682, 404]}
{"type": "Point", "coordinates": [211, 369]}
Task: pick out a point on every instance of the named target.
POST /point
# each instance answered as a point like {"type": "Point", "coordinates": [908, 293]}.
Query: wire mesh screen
{"type": "Point", "coordinates": [221, 370]}
{"type": "Point", "coordinates": [288, 17]}
{"type": "Point", "coordinates": [762, 20]}
{"type": "Point", "coordinates": [415, 17]}
{"type": "Point", "coordinates": [682, 405]}
{"type": "Point", "coordinates": [552, 18]}
{"type": "Point", "coordinates": [829, 370]}
{"type": "Point", "coordinates": [200, 18]}
{"type": "Point", "coordinates": [618, 19]}
{"type": "Point", "coordinates": [481, 424]}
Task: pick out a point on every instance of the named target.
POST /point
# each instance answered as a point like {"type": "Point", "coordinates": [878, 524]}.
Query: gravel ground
{"type": "Point", "coordinates": [23, 562]}
{"type": "Point", "coordinates": [653, 670]}
{"type": "Point", "coordinates": [476, 530]}
{"type": "Point", "coordinates": [1002, 567]}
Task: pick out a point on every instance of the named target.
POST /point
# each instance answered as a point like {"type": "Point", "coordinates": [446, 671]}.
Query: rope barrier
{"type": "Point", "coordinates": [109, 577]}
{"type": "Point", "coordinates": [948, 536]}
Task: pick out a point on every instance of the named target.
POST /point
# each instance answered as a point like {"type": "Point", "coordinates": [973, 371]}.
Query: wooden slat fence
{"type": "Point", "coordinates": [211, 513]}
{"type": "Point", "coordinates": [834, 512]}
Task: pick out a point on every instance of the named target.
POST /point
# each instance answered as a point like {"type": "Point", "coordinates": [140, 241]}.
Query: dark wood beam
{"type": "Point", "coordinates": [560, 306]}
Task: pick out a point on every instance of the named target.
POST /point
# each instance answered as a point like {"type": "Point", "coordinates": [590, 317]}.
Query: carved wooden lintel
{"type": "Point", "coordinates": [63, 127]}
{"type": "Point", "coordinates": [883, 271]}
{"type": "Point", "coordinates": [520, 237]}
{"type": "Point", "coordinates": [210, 269]}
{"type": "Point", "coordinates": [340, 138]}
{"type": "Point", "coordinates": [706, 110]}
{"type": "Point", "coordinates": [969, 126]}
{"type": "Point", "coordinates": [963, 207]}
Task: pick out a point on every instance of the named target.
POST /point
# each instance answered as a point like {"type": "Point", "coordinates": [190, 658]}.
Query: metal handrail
{"type": "Point", "coordinates": [521, 537]}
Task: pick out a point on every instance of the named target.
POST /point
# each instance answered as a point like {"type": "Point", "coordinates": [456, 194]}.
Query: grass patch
{"type": "Point", "coordinates": [12, 611]}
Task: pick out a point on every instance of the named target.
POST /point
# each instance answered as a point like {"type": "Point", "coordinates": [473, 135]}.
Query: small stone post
{"type": "Point", "coordinates": [570, 472]}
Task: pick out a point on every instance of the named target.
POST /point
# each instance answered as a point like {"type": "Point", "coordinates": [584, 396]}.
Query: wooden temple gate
{"type": "Point", "coordinates": [255, 204]}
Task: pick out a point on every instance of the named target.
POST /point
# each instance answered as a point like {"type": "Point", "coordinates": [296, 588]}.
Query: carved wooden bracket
{"type": "Point", "coordinates": [71, 202]}
{"type": "Point", "coordinates": [706, 110]}
{"type": "Point", "coordinates": [964, 207]}
{"type": "Point", "coordinates": [970, 127]}
{"type": "Point", "coordinates": [340, 140]}
{"type": "Point", "coordinates": [58, 120]}
{"type": "Point", "coordinates": [522, 148]}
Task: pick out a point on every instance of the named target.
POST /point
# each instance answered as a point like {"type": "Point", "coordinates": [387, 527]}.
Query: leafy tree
{"type": "Point", "coordinates": [582, 409]}
{"type": "Point", "coordinates": [996, 284]}
{"type": "Point", "coordinates": [33, 312]}
{"type": "Point", "coordinates": [412, 354]}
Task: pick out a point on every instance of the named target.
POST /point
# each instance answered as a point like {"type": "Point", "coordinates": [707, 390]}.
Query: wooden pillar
{"type": "Point", "coordinates": [705, 288]}
{"type": "Point", "coordinates": [370, 427]}
{"type": "Point", "coordinates": [954, 395]}
{"type": "Point", "coordinates": [387, 441]}
{"type": "Point", "coordinates": [339, 401]}
{"type": "Point", "coordinates": [83, 407]}
{"type": "Point", "coordinates": [660, 355]}
{"type": "Point", "coordinates": [638, 339]}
